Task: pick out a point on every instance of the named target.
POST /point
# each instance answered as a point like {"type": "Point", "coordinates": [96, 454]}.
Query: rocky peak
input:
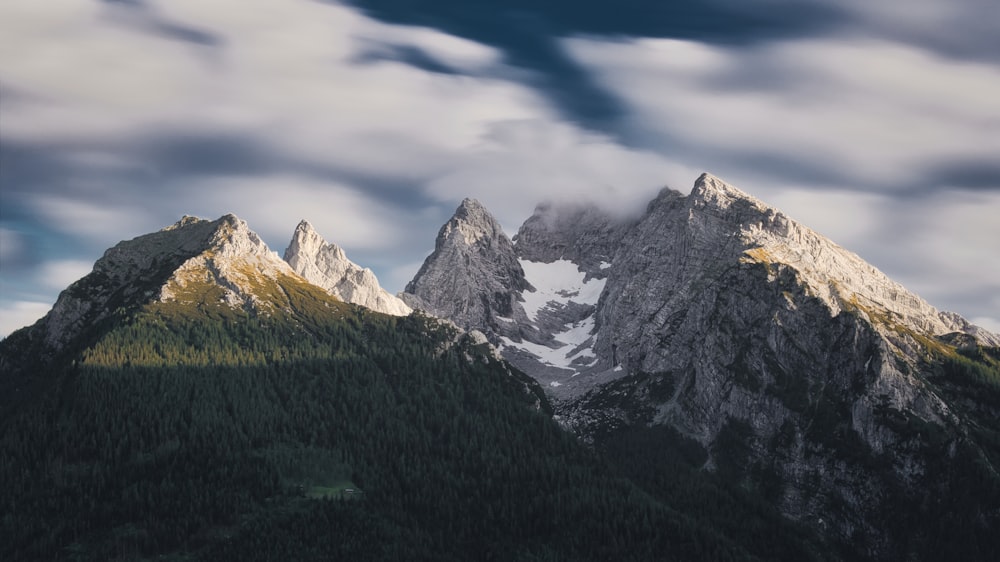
{"type": "Point", "coordinates": [325, 264]}
{"type": "Point", "coordinates": [734, 303]}
{"type": "Point", "coordinates": [473, 277]}
{"type": "Point", "coordinates": [172, 265]}
{"type": "Point", "coordinates": [711, 191]}
{"type": "Point", "coordinates": [307, 242]}
{"type": "Point", "coordinates": [473, 223]}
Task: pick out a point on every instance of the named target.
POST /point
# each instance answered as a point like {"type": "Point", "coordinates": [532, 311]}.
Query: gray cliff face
{"type": "Point", "coordinates": [695, 266]}
{"type": "Point", "coordinates": [727, 321]}
{"type": "Point", "coordinates": [326, 265]}
{"type": "Point", "coordinates": [744, 321]}
{"type": "Point", "coordinates": [473, 277]}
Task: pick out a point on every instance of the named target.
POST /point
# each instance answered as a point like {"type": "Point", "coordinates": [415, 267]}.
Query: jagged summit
{"type": "Point", "coordinates": [840, 278]}
{"type": "Point", "coordinates": [710, 312]}
{"type": "Point", "coordinates": [473, 223]}
{"type": "Point", "coordinates": [471, 205]}
{"type": "Point", "coordinates": [325, 264]}
{"type": "Point", "coordinates": [473, 276]}
{"type": "Point", "coordinates": [192, 262]}
{"type": "Point", "coordinates": [713, 191]}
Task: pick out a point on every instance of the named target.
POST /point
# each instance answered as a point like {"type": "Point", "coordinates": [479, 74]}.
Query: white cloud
{"type": "Point", "coordinates": [456, 52]}
{"type": "Point", "coordinates": [102, 221]}
{"type": "Point", "coordinates": [282, 72]}
{"type": "Point", "coordinates": [87, 76]}
{"type": "Point", "coordinates": [518, 164]}
{"type": "Point", "coordinates": [871, 110]}
{"type": "Point", "coordinates": [16, 315]}
{"type": "Point", "coordinates": [281, 76]}
{"type": "Point", "coordinates": [273, 205]}
{"type": "Point", "coordinates": [58, 275]}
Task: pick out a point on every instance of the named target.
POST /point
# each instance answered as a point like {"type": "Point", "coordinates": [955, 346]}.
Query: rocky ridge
{"type": "Point", "coordinates": [326, 265]}
{"type": "Point", "coordinates": [725, 320]}
{"type": "Point", "coordinates": [473, 277]}
{"type": "Point", "coordinates": [166, 266]}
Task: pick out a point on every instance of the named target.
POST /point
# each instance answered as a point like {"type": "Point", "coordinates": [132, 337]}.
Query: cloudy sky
{"type": "Point", "coordinates": [875, 123]}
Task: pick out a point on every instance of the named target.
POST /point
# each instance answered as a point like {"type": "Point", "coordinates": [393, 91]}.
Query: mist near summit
{"type": "Point", "coordinates": [875, 125]}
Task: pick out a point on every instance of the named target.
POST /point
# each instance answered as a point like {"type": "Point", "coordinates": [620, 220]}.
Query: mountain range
{"type": "Point", "coordinates": [710, 345]}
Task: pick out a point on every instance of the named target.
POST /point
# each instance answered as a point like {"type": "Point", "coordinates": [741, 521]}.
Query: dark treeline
{"type": "Point", "coordinates": [341, 434]}
{"type": "Point", "coordinates": [362, 437]}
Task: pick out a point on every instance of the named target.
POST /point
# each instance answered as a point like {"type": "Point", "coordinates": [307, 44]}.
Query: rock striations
{"type": "Point", "coordinates": [723, 319]}
{"type": "Point", "coordinates": [473, 277]}
{"type": "Point", "coordinates": [325, 264]}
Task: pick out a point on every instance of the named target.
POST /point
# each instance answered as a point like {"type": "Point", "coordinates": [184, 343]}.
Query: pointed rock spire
{"type": "Point", "coordinates": [473, 275]}
{"type": "Point", "coordinates": [325, 264]}
{"type": "Point", "coordinates": [711, 191]}
{"type": "Point", "coordinates": [473, 223]}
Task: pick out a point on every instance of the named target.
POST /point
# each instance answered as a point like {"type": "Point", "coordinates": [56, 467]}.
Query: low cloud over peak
{"type": "Point", "coordinates": [375, 118]}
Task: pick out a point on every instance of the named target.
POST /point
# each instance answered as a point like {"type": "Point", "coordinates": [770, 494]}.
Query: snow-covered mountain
{"type": "Point", "coordinates": [325, 264]}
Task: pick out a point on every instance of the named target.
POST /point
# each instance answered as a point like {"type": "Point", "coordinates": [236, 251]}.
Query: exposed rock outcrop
{"type": "Point", "coordinates": [473, 277]}
{"type": "Point", "coordinates": [326, 265]}
{"type": "Point", "coordinates": [731, 323]}
{"type": "Point", "coordinates": [166, 266]}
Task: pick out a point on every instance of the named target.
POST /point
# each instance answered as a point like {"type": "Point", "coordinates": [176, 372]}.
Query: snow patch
{"type": "Point", "coordinates": [559, 282]}
{"type": "Point", "coordinates": [547, 355]}
{"type": "Point", "coordinates": [558, 286]}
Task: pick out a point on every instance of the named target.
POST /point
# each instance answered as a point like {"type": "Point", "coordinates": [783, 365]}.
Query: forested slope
{"type": "Point", "coordinates": [204, 432]}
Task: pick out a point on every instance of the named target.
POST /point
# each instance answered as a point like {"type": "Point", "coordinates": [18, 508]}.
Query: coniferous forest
{"type": "Point", "coordinates": [329, 432]}
{"type": "Point", "coordinates": [212, 434]}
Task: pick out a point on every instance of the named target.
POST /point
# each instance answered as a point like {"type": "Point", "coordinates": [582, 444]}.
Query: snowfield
{"type": "Point", "coordinates": [558, 284]}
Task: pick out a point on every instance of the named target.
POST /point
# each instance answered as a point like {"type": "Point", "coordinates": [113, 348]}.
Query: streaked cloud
{"type": "Point", "coordinates": [517, 164]}
{"type": "Point", "coordinates": [864, 114]}
{"type": "Point", "coordinates": [373, 119]}
{"type": "Point", "coordinates": [12, 246]}
{"type": "Point", "coordinates": [16, 314]}
{"type": "Point", "coordinates": [57, 275]}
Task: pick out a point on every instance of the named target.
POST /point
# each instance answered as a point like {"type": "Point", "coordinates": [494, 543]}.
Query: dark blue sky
{"type": "Point", "coordinates": [876, 124]}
